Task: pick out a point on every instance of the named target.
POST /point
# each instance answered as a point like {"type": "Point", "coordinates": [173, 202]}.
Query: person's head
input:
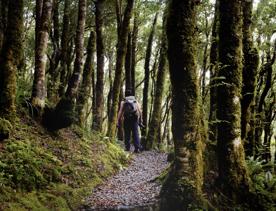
{"type": "Point", "coordinates": [128, 92]}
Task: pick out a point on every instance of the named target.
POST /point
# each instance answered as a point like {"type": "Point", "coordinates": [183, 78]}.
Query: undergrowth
{"type": "Point", "coordinates": [53, 171]}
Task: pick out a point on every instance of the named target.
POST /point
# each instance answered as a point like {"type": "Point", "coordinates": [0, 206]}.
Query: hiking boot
{"type": "Point", "coordinates": [136, 151]}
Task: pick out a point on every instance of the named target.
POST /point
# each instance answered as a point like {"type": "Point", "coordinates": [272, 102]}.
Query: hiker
{"type": "Point", "coordinates": [131, 113]}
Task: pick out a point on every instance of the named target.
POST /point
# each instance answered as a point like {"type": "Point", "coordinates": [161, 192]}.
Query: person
{"type": "Point", "coordinates": [130, 113]}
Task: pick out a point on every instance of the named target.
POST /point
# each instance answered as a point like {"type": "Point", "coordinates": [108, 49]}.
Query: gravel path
{"type": "Point", "coordinates": [131, 187]}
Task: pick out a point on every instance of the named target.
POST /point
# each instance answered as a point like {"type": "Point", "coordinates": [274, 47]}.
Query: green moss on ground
{"type": "Point", "coordinates": [5, 129]}
{"type": "Point", "coordinates": [53, 171]}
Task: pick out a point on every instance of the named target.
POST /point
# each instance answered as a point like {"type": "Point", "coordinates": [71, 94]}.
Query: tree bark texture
{"type": "Point", "coordinates": [262, 117]}
{"type": "Point", "coordinates": [98, 115]}
{"type": "Point", "coordinates": [64, 113]}
{"type": "Point", "coordinates": [147, 77]}
{"type": "Point", "coordinates": [39, 86]}
{"type": "Point", "coordinates": [52, 82]}
{"type": "Point", "coordinates": [109, 97]}
{"type": "Point", "coordinates": [133, 52]}
{"type": "Point", "coordinates": [212, 127]}
{"type": "Point", "coordinates": [233, 175]}
{"type": "Point", "coordinates": [182, 190]}
{"type": "Point", "coordinates": [64, 48]}
{"type": "Point", "coordinates": [121, 53]}
{"type": "Point", "coordinates": [128, 64]}
{"type": "Point", "coordinates": [86, 85]}
{"type": "Point", "coordinates": [74, 81]}
{"type": "Point", "coordinates": [11, 56]}
{"type": "Point", "coordinates": [3, 21]}
{"type": "Point", "coordinates": [249, 73]}
{"type": "Point", "coordinates": [155, 123]}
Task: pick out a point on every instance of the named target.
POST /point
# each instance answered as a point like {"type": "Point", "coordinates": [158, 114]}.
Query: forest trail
{"type": "Point", "coordinates": [132, 187]}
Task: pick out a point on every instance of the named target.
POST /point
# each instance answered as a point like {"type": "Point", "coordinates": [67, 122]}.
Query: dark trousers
{"type": "Point", "coordinates": [131, 127]}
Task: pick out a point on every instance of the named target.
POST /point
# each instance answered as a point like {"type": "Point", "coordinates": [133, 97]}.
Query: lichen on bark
{"type": "Point", "coordinates": [233, 174]}
{"type": "Point", "coordinates": [183, 188]}
{"type": "Point", "coordinates": [249, 73]}
{"type": "Point", "coordinates": [10, 60]}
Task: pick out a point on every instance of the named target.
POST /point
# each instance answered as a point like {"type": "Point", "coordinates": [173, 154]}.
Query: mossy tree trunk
{"type": "Point", "coordinates": [64, 48]}
{"type": "Point", "coordinates": [183, 188]}
{"type": "Point", "coordinates": [64, 113]}
{"type": "Point", "coordinates": [98, 114]}
{"type": "Point", "coordinates": [11, 57]}
{"type": "Point", "coordinates": [3, 21]}
{"type": "Point", "coordinates": [153, 78]}
{"type": "Point", "coordinates": [213, 73]}
{"type": "Point", "coordinates": [210, 152]}
{"type": "Point", "coordinates": [110, 56]}
{"type": "Point", "coordinates": [74, 81]}
{"type": "Point", "coordinates": [120, 58]}
{"type": "Point", "coordinates": [133, 51]}
{"type": "Point", "coordinates": [263, 107]}
{"type": "Point", "coordinates": [155, 123]}
{"type": "Point", "coordinates": [146, 81]}
{"type": "Point", "coordinates": [249, 73]}
{"type": "Point", "coordinates": [233, 175]}
{"type": "Point", "coordinates": [42, 34]}
{"type": "Point", "coordinates": [86, 85]}
{"type": "Point", "coordinates": [52, 81]}
{"type": "Point", "coordinates": [128, 77]}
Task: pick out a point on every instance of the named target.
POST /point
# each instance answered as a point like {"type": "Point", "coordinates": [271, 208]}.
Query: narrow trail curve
{"type": "Point", "coordinates": [131, 187]}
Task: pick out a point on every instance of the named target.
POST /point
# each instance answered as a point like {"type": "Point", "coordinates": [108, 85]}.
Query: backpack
{"type": "Point", "coordinates": [130, 108]}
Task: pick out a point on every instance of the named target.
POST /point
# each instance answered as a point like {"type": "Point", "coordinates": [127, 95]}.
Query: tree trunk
{"type": "Point", "coordinates": [263, 107]}
{"type": "Point", "coordinates": [109, 97]}
{"type": "Point", "coordinates": [64, 48]}
{"type": "Point", "coordinates": [98, 115]}
{"type": "Point", "coordinates": [52, 82]}
{"type": "Point", "coordinates": [74, 81]}
{"type": "Point", "coordinates": [86, 86]}
{"type": "Point", "coordinates": [43, 26]}
{"type": "Point", "coordinates": [119, 16]}
{"type": "Point", "coordinates": [213, 74]}
{"type": "Point", "coordinates": [182, 189]}
{"type": "Point", "coordinates": [152, 138]}
{"type": "Point", "coordinates": [133, 52]}
{"type": "Point", "coordinates": [233, 175]}
{"type": "Point", "coordinates": [64, 113]}
{"type": "Point", "coordinates": [128, 64]}
{"type": "Point", "coordinates": [121, 53]}
{"type": "Point", "coordinates": [249, 73]}
{"type": "Point", "coordinates": [11, 56]}
{"type": "Point", "coordinates": [153, 74]}
{"type": "Point", "coordinates": [3, 21]}
{"type": "Point", "coordinates": [146, 81]}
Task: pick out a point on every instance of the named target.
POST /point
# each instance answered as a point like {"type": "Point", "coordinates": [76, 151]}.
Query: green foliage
{"type": "Point", "coordinates": [53, 171]}
{"type": "Point", "coordinates": [24, 87]}
{"type": "Point", "coordinates": [5, 129]}
{"type": "Point", "coordinates": [25, 165]}
{"type": "Point", "coordinates": [262, 178]}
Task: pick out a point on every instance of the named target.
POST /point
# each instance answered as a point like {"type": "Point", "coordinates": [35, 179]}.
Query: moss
{"type": "Point", "coordinates": [233, 175]}
{"type": "Point", "coordinates": [164, 175]}
{"type": "Point", "coordinates": [5, 129]}
{"type": "Point", "coordinates": [54, 171]}
{"type": "Point", "coordinates": [181, 194]}
{"type": "Point", "coordinates": [11, 59]}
